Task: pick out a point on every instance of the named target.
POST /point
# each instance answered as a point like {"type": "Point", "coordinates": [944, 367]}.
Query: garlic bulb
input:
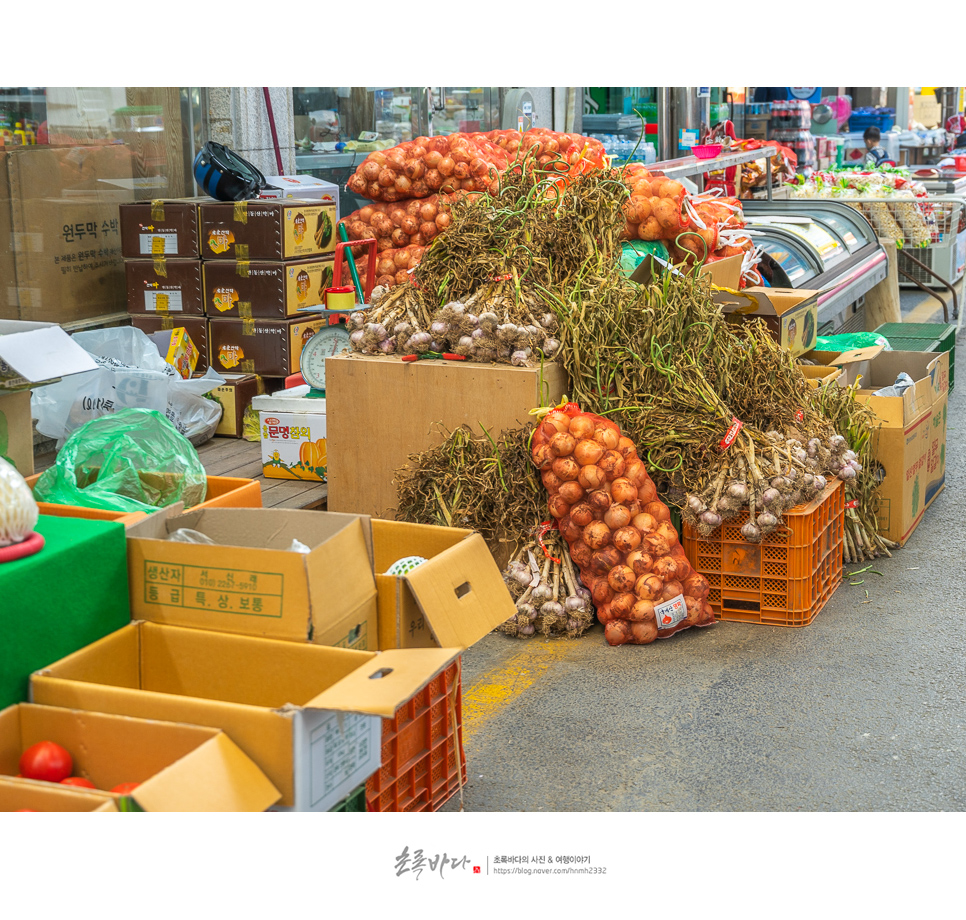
{"type": "Point", "coordinates": [18, 510]}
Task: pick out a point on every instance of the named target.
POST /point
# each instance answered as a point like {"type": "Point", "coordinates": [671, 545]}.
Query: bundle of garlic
{"type": "Point", "coordinates": [484, 327]}
{"type": "Point", "coordinates": [773, 480]}
{"type": "Point", "coordinates": [550, 599]}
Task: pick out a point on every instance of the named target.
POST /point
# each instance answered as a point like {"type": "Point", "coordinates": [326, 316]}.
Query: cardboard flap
{"type": "Point", "coordinates": [380, 686]}
{"type": "Point", "coordinates": [462, 594]}
{"type": "Point", "coordinates": [761, 301]}
{"type": "Point", "coordinates": [216, 776]}
{"type": "Point", "coordinates": [856, 355]}
{"type": "Point", "coordinates": [40, 354]}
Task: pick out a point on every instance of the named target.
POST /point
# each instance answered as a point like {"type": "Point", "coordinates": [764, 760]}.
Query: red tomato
{"type": "Point", "coordinates": [124, 788]}
{"type": "Point", "coordinates": [46, 760]}
{"type": "Point", "coordinates": [78, 781]}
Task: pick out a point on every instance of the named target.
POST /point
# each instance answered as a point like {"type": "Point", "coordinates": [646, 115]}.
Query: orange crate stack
{"type": "Point", "coordinates": [787, 578]}
{"type": "Point", "coordinates": [423, 764]}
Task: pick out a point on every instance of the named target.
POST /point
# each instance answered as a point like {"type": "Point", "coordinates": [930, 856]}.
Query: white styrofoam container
{"type": "Point", "coordinates": [287, 420]}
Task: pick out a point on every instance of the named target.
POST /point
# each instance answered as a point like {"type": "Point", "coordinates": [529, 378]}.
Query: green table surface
{"type": "Point", "coordinates": [71, 593]}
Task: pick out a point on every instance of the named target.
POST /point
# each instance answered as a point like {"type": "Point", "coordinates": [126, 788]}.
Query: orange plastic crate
{"type": "Point", "coordinates": [787, 578]}
{"type": "Point", "coordinates": [423, 763]}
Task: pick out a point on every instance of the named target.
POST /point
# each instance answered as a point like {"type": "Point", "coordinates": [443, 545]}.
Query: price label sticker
{"type": "Point", "coordinates": [731, 434]}
{"type": "Point", "coordinates": [671, 612]}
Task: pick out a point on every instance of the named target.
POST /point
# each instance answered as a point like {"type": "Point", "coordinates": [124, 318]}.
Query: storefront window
{"type": "Point", "coordinates": [69, 157]}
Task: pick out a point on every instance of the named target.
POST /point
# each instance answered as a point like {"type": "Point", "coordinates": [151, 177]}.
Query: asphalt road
{"type": "Point", "coordinates": [861, 711]}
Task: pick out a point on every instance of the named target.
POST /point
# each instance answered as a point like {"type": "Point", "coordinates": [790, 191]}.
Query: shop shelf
{"type": "Point", "coordinates": [423, 764]}
{"type": "Point", "coordinates": [787, 578]}
{"type": "Point", "coordinates": [933, 337]}
{"type": "Point", "coordinates": [354, 801]}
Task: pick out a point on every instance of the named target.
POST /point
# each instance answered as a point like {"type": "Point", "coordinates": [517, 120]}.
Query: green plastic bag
{"type": "Point", "coordinates": [632, 254]}
{"type": "Point", "coordinates": [132, 460]}
{"type": "Point", "coordinates": [850, 341]}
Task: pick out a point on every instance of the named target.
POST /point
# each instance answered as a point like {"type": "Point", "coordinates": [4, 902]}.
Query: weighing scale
{"type": "Point", "coordinates": [333, 338]}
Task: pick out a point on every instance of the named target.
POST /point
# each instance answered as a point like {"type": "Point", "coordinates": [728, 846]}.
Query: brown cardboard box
{"type": "Point", "coordinates": [165, 228]}
{"type": "Point", "coordinates": [911, 440]}
{"type": "Point", "coordinates": [408, 404]}
{"type": "Point", "coordinates": [164, 286]}
{"type": "Point", "coordinates": [337, 594]}
{"type": "Point", "coordinates": [16, 431]}
{"type": "Point", "coordinates": [33, 353]}
{"type": "Point", "coordinates": [269, 347]}
{"type": "Point", "coordinates": [177, 767]}
{"type": "Point", "coordinates": [270, 290]}
{"type": "Point", "coordinates": [790, 315]}
{"type": "Point", "coordinates": [274, 230]}
{"type": "Point", "coordinates": [251, 582]}
{"type": "Point", "coordinates": [308, 715]}
{"type": "Point", "coordinates": [29, 795]}
{"type": "Point", "coordinates": [236, 396]}
{"type": "Point", "coordinates": [195, 326]}
{"type": "Point", "coordinates": [927, 110]}
{"type": "Point", "coordinates": [60, 257]}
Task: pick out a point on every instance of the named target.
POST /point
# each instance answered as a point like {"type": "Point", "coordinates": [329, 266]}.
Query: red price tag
{"type": "Point", "coordinates": [731, 434]}
{"type": "Point", "coordinates": [800, 416]}
{"type": "Point", "coordinates": [542, 531]}
{"type": "Point", "coordinates": [854, 503]}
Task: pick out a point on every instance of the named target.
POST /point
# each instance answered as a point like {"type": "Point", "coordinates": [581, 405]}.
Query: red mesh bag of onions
{"type": "Point", "coordinates": [619, 533]}
{"type": "Point", "coordinates": [394, 225]}
{"type": "Point", "coordinates": [426, 165]}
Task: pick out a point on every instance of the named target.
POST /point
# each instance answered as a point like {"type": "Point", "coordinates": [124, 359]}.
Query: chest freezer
{"type": "Point", "coordinates": [821, 245]}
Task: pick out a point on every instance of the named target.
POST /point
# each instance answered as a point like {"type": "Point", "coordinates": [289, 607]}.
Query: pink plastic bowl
{"type": "Point", "coordinates": [706, 151]}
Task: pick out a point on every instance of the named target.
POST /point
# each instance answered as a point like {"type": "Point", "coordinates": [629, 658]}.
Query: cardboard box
{"type": "Point", "coordinates": [195, 326]}
{"type": "Point", "coordinates": [309, 716]}
{"type": "Point", "coordinates": [910, 443]}
{"type": "Point", "coordinates": [453, 599]}
{"type": "Point", "coordinates": [176, 347]}
{"type": "Point", "coordinates": [164, 286]}
{"type": "Point", "coordinates": [820, 375]}
{"type": "Point", "coordinates": [178, 767]}
{"type": "Point", "coordinates": [60, 255]}
{"type": "Point", "coordinates": [164, 228]}
{"type": "Point", "coordinates": [304, 187]}
{"type": "Point", "coordinates": [791, 315]}
{"type": "Point", "coordinates": [269, 347]}
{"type": "Point", "coordinates": [235, 396]}
{"type": "Point", "coordinates": [337, 594]}
{"type": "Point", "coordinates": [927, 110]}
{"type": "Point", "coordinates": [422, 398]}
{"type": "Point", "coordinates": [27, 795]}
{"type": "Point", "coordinates": [17, 431]}
{"type": "Point", "coordinates": [292, 435]}
{"type": "Point", "coordinates": [269, 290]}
{"type": "Point", "coordinates": [251, 582]}
{"type": "Point", "coordinates": [272, 230]}
{"type": "Point", "coordinates": [32, 354]}
{"type": "Point", "coordinates": [222, 492]}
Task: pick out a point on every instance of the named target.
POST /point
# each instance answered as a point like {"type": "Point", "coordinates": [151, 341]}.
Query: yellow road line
{"type": "Point", "coordinates": [489, 695]}
{"type": "Point", "coordinates": [925, 311]}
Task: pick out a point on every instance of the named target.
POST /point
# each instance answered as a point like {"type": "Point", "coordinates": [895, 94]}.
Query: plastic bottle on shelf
{"type": "Point", "coordinates": [19, 135]}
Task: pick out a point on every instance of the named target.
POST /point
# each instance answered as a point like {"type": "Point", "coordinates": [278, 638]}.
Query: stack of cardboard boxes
{"type": "Point", "coordinates": [234, 275]}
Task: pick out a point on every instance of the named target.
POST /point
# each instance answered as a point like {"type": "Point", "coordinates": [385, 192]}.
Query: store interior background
{"type": "Point", "coordinates": [155, 133]}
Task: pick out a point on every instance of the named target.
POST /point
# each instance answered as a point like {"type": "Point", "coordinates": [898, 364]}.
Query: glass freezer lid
{"type": "Point", "coordinates": [827, 244]}
{"type": "Point", "coordinates": [794, 264]}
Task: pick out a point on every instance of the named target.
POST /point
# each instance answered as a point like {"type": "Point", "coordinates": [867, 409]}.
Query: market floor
{"type": "Point", "coordinates": [862, 710]}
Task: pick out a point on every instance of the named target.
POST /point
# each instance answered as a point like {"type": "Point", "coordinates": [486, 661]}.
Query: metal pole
{"type": "Point", "coordinates": [664, 123]}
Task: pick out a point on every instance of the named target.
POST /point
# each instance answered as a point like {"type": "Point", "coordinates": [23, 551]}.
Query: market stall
{"type": "Point", "coordinates": [598, 400]}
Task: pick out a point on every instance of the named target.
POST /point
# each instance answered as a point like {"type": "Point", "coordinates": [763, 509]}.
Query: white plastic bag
{"type": "Point", "coordinates": [132, 374]}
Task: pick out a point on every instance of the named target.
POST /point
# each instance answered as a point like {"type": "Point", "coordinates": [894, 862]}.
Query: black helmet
{"type": "Point", "coordinates": [224, 175]}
